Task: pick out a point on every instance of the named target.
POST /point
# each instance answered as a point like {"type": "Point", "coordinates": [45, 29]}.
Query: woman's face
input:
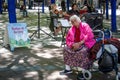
{"type": "Point", "coordinates": [75, 22]}
{"type": "Point", "coordinates": [55, 6]}
{"type": "Point", "coordinates": [75, 7]}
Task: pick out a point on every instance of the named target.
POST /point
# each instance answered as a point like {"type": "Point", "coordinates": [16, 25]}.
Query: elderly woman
{"type": "Point", "coordinates": [79, 40]}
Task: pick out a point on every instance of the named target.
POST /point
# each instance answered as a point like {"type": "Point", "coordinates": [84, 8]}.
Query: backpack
{"type": "Point", "coordinates": [106, 62]}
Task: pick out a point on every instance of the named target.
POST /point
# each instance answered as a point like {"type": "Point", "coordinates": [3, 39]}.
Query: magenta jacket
{"type": "Point", "coordinates": [85, 34]}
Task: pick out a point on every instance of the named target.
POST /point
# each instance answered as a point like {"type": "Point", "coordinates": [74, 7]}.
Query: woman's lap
{"type": "Point", "coordinates": [77, 58]}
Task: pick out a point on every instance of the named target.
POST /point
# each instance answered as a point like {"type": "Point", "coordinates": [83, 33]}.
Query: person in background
{"type": "Point", "coordinates": [73, 11]}
{"type": "Point", "coordinates": [102, 6]}
{"type": "Point", "coordinates": [25, 13]}
{"type": "Point", "coordinates": [63, 5]}
{"type": "Point", "coordinates": [79, 41]}
{"type": "Point", "coordinates": [55, 14]}
{"type": "Point", "coordinates": [88, 7]}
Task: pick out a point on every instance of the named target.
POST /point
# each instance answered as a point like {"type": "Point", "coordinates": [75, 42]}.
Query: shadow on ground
{"type": "Point", "coordinates": [37, 63]}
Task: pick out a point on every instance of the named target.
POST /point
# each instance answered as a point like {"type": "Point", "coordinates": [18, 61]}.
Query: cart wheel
{"type": "Point", "coordinates": [80, 76]}
{"type": "Point", "coordinates": [87, 74]}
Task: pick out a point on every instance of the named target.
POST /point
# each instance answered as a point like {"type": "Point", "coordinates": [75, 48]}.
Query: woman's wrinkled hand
{"type": "Point", "coordinates": [76, 46]}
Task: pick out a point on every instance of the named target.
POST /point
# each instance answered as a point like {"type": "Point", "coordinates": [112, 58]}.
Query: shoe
{"type": "Point", "coordinates": [65, 72]}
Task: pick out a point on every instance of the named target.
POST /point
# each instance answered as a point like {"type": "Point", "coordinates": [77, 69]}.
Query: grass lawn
{"type": "Point", "coordinates": [31, 20]}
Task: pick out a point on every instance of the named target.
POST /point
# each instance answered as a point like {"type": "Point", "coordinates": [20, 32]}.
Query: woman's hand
{"type": "Point", "coordinates": [77, 45]}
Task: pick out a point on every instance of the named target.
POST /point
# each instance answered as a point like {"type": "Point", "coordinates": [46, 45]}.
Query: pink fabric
{"type": "Point", "coordinates": [85, 34]}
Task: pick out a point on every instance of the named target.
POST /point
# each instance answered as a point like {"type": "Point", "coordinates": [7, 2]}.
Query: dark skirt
{"type": "Point", "coordinates": [77, 58]}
